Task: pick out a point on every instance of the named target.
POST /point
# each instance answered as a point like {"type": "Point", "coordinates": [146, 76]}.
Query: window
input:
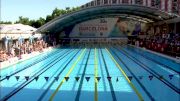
{"type": "Point", "coordinates": [114, 1]}
{"type": "Point", "coordinates": [92, 3]}
{"type": "Point", "coordinates": [87, 5]}
{"type": "Point", "coordinates": [82, 6]}
{"type": "Point", "coordinates": [175, 6]}
{"type": "Point", "coordinates": [105, 1]}
{"type": "Point", "coordinates": [139, 2]}
{"type": "Point", "coordinates": [98, 2]}
{"type": "Point", "coordinates": [125, 1]}
{"type": "Point", "coordinates": [156, 3]}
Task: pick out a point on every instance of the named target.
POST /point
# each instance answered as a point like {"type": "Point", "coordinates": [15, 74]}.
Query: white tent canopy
{"type": "Point", "coordinates": [16, 30]}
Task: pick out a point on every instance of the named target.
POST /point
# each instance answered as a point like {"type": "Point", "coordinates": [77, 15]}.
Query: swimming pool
{"type": "Point", "coordinates": [112, 73]}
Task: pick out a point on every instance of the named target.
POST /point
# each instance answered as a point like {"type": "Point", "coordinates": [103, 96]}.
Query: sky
{"type": "Point", "coordinates": [33, 9]}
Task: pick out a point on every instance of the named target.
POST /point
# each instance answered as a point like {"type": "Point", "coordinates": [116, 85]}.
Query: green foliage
{"type": "Point", "coordinates": [37, 23]}
{"type": "Point", "coordinates": [23, 20]}
{"type": "Point", "coordinates": [58, 12]}
{"type": "Point", "coordinates": [41, 21]}
{"type": "Point", "coordinates": [5, 22]}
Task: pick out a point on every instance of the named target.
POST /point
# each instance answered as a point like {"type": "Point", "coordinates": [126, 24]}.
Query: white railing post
{"type": "Point", "coordinates": [169, 5]}
{"type": "Point", "coordinates": [120, 1]}
{"type": "Point", "coordinates": [144, 3]}
{"type": "Point", "coordinates": [102, 2]}
{"type": "Point", "coordinates": [162, 5]}
{"type": "Point", "coordinates": [149, 3]}
{"type": "Point", "coordinates": [133, 2]}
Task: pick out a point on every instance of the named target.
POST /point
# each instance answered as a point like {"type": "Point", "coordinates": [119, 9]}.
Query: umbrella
{"type": "Point", "coordinates": [20, 40]}
{"type": "Point", "coordinates": [6, 40]}
{"type": "Point", "coordinates": [31, 39]}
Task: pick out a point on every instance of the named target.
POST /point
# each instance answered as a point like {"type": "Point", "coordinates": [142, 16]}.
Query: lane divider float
{"type": "Point", "coordinates": [129, 81]}
{"type": "Point", "coordinates": [67, 75]}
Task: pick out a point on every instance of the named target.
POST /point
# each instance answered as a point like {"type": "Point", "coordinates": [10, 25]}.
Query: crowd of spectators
{"type": "Point", "coordinates": [18, 49]}
{"type": "Point", "coordinates": [166, 43]}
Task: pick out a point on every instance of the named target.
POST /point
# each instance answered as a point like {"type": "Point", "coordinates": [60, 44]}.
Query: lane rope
{"type": "Point", "coordinates": [122, 71]}
{"type": "Point", "coordinates": [95, 75]}
{"type": "Point", "coordinates": [69, 72]}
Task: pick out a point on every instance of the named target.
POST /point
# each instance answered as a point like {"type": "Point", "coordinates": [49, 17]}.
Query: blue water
{"type": "Point", "coordinates": [45, 73]}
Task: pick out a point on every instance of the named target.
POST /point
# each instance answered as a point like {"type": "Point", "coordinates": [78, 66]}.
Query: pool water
{"type": "Point", "coordinates": [113, 73]}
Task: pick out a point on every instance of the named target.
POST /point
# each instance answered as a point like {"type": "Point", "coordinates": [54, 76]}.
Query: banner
{"type": "Point", "coordinates": [104, 27]}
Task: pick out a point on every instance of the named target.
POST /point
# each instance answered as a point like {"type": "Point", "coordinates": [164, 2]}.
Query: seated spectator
{"type": "Point", "coordinates": [159, 47]}
{"type": "Point", "coordinates": [13, 52]}
{"type": "Point", "coordinates": [167, 43]}
{"type": "Point", "coordinates": [1, 56]}
{"type": "Point", "coordinates": [137, 43]}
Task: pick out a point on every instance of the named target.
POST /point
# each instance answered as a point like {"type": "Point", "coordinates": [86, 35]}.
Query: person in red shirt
{"type": "Point", "coordinates": [159, 47]}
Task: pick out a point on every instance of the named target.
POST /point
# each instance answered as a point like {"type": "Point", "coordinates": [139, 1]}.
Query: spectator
{"type": "Point", "coordinates": [16, 50]}
{"type": "Point", "coordinates": [164, 43]}
{"type": "Point", "coordinates": [137, 43]}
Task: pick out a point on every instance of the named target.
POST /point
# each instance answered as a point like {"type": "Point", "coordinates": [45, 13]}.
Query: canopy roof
{"type": "Point", "coordinates": [135, 12]}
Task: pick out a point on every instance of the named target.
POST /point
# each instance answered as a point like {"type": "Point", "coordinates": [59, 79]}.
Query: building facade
{"type": "Point", "coordinates": [170, 6]}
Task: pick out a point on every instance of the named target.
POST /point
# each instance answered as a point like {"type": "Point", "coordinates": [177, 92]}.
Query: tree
{"type": "Point", "coordinates": [6, 22]}
{"type": "Point", "coordinates": [23, 20]}
{"type": "Point", "coordinates": [63, 12]}
{"type": "Point", "coordinates": [48, 18]}
{"type": "Point", "coordinates": [41, 21]}
{"type": "Point", "coordinates": [33, 23]}
{"type": "Point", "coordinates": [37, 23]}
{"type": "Point", "coordinates": [56, 12]}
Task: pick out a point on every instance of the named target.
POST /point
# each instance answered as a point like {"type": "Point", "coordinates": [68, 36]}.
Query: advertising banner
{"type": "Point", "coordinates": [104, 27]}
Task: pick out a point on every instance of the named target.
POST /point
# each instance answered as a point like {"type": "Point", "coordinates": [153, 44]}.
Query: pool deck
{"type": "Point", "coordinates": [159, 54]}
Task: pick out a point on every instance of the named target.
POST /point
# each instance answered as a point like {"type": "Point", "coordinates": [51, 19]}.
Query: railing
{"type": "Point", "coordinates": [146, 3]}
